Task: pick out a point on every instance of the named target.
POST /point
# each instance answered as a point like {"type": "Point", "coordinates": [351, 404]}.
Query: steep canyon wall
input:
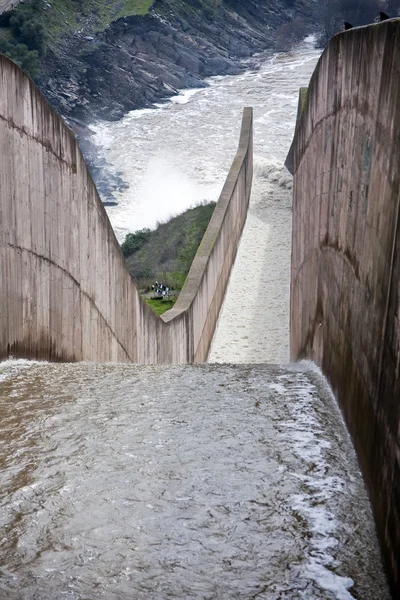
{"type": "Point", "coordinates": [345, 283]}
{"type": "Point", "coordinates": [65, 292]}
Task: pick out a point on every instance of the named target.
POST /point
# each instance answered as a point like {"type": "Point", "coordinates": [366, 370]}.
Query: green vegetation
{"type": "Point", "coordinates": [166, 253]}
{"type": "Point", "coordinates": [33, 27]}
{"type": "Point", "coordinates": [27, 26]}
{"type": "Point", "coordinates": [134, 242]}
{"type": "Point", "coordinates": [27, 59]}
{"type": "Point", "coordinates": [135, 7]}
{"type": "Point", "coordinates": [23, 36]}
{"type": "Point", "coordinates": [160, 306]}
{"type": "Point", "coordinates": [208, 8]}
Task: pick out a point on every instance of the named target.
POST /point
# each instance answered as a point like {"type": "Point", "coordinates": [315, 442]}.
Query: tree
{"type": "Point", "coordinates": [27, 59]}
{"type": "Point", "coordinates": [134, 241]}
{"type": "Point", "coordinates": [29, 30]}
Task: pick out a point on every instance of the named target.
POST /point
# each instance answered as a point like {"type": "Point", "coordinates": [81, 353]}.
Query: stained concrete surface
{"type": "Point", "coordinates": [345, 299]}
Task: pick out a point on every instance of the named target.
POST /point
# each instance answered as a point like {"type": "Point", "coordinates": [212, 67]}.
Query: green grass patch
{"type": "Point", "coordinates": [208, 8]}
{"type": "Point", "coordinates": [160, 306]}
{"type": "Point", "coordinates": [135, 7]}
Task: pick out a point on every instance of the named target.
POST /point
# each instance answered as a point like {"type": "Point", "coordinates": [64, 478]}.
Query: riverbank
{"type": "Point", "coordinates": [174, 46]}
{"type": "Point", "coordinates": [97, 60]}
{"type": "Point", "coordinates": [135, 60]}
{"type": "Point", "coordinates": [179, 154]}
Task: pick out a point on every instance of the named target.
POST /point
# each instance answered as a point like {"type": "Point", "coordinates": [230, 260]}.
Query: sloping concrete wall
{"type": "Point", "coordinates": [66, 293]}
{"type": "Point", "coordinates": [8, 5]}
{"type": "Point", "coordinates": [346, 252]}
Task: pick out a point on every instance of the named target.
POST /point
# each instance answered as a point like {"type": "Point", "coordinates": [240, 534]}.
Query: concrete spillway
{"type": "Point", "coordinates": [218, 481]}
{"type": "Point", "coordinates": [254, 320]}
{"type": "Point", "coordinates": [179, 482]}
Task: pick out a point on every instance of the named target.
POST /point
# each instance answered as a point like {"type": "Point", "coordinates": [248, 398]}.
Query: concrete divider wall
{"type": "Point", "coordinates": [66, 293]}
{"type": "Point", "coordinates": [346, 252]}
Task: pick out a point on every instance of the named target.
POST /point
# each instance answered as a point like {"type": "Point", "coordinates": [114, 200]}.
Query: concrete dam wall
{"type": "Point", "coordinates": [66, 293]}
{"type": "Point", "coordinates": [345, 287]}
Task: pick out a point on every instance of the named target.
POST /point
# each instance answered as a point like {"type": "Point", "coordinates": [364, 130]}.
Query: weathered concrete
{"type": "Point", "coordinates": [8, 5]}
{"type": "Point", "coordinates": [66, 293]}
{"type": "Point", "coordinates": [346, 252]}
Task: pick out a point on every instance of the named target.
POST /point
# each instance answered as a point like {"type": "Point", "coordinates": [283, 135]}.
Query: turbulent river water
{"type": "Point", "coordinates": [224, 482]}
{"type": "Point", "coordinates": [179, 155]}
{"type": "Point", "coordinates": [232, 482]}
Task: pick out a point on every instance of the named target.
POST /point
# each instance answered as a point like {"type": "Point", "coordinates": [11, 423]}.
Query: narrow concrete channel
{"type": "Point", "coordinates": [254, 321]}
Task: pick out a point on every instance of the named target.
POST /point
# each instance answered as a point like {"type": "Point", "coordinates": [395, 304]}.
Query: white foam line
{"type": "Point", "coordinates": [185, 96]}
{"type": "Point", "coordinates": [304, 434]}
{"type": "Point", "coordinates": [11, 367]}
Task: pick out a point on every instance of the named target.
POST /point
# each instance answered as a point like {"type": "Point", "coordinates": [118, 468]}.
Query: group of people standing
{"type": "Point", "coordinates": [160, 290]}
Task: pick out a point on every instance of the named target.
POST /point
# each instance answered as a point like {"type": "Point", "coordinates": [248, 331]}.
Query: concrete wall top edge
{"type": "Point", "coordinates": [301, 135]}
{"type": "Point", "coordinates": [200, 261]}
{"type": "Point", "coordinates": [67, 293]}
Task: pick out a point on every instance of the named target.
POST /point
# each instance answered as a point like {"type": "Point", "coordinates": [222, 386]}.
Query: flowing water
{"type": "Point", "coordinates": [217, 481]}
{"type": "Point", "coordinates": [179, 155]}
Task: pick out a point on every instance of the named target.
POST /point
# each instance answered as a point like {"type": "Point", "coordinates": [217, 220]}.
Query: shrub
{"type": "Point", "coordinates": [27, 59]}
{"type": "Point", "coordinates": [134, 241]}
{"type": "Point", "coordinates": [29, 30]}
{"type": "Point", "coordinates": [166, 254]}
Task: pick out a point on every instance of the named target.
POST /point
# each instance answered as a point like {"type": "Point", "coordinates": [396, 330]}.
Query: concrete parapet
{"type": "Point", "coordinates": [66, 293]}
{"type": "Point", "coordinates": [345, 300]}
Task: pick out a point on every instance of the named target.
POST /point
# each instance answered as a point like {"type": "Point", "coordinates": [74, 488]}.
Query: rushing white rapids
{"type": "Point", "coordinates": [179, 155]}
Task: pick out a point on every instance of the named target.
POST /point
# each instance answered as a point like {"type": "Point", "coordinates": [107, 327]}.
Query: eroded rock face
{"type": "Point", "coordinates": [137, 61]}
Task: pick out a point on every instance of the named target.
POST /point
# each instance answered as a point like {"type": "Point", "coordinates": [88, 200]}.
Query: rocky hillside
{"type": "Point", "coordinates": [100, 58]}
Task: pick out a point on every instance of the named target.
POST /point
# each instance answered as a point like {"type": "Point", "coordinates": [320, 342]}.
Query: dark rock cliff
{"type": "Point", "coordinates": [138, 60]}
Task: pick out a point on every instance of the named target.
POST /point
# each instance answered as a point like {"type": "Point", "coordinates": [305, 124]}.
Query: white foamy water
{"type": "Point", "coordinates": [254, 320]}
{"type": "Point", "coordinates": [179, 155]}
